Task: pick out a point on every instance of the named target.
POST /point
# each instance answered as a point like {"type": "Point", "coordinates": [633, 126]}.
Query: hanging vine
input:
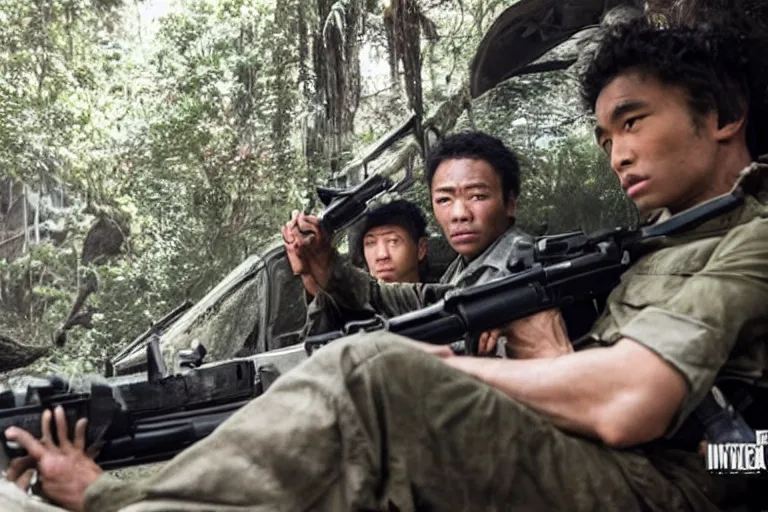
{"type": "Point", "coordinates": [405, 22]}
{"type": "Point", "coordinates": [341, 43]}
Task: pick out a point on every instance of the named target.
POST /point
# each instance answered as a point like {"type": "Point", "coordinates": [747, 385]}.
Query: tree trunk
{"type": "Point", "coordinates": [285, 29]}
{"type": "Point", "coordinates": [26, 219]}
{"type": "Point", "coordinates": [338, 45]}
{"type": "Point", "coordinates": [395, 159]}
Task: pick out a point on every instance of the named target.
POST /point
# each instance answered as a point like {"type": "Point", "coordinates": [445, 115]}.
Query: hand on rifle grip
{"type": "Point", "coordinates": [307, 247]}
{"type": "Point", "coordinates": [486, 344]}
{"type": "Point", "coordinates": [65, 470]}
{"type": "Point", "coordinates": [540, 335]}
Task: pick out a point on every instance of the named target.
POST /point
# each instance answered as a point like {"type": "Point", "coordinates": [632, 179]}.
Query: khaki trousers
{"type": "Point", "coordinates": [369, 423]}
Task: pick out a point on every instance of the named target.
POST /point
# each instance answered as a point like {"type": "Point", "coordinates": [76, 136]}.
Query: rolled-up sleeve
{"type": "Point", "coordinates": [725, 302]}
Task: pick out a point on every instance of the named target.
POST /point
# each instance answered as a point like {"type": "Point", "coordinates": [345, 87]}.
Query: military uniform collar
{"type": "Point", "coordinates": [510, 249]}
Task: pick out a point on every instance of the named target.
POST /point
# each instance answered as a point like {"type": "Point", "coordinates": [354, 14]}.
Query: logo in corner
{"type": "Point", "coordinates": [738, 458]}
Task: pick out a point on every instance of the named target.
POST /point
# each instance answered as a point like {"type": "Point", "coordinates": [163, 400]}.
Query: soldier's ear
{"type": "Point", "coordinates": [730, 130]}
{"type": "Point", "coordinates": [727, 131]}
{"type": "Point", "coordinates": [422, 253]}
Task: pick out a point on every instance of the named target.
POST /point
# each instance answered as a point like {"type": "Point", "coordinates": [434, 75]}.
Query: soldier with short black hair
{"type": "Point", "coordinates": [474, 183]}
{"type": "Point", "coordinates": [394, 242]}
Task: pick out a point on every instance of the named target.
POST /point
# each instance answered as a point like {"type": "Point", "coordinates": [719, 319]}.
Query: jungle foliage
{"type": "Point", "coordinates": [147, 147]}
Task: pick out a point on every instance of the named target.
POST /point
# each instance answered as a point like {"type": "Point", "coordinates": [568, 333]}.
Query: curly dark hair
{"type": "Point", "coordinates": [478, 146]}
{"type": "Point", "coordinates": [712, 63]}
{"type": "Point", "coordinates": [399, 213]}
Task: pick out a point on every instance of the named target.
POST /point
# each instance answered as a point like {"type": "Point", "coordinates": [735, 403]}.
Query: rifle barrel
{"type": "Point", "coordinates": [160, 438]}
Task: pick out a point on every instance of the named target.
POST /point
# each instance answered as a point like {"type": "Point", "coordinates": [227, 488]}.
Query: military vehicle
{"type": "Point", "coordinates": [260, 305]}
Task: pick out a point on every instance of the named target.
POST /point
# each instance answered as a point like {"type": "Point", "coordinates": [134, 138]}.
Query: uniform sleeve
{"type": "Point", "coordinates": [716, 308]}
{"type": "Point", "coordinates": [322, 315]}
{"type": "Point", "coordinates": [351, 289]}
{"type": "Point", "coordinates": [110, 494]}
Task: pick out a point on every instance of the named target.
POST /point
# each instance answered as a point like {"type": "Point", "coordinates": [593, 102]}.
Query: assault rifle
{"type": "Point", "coordinates": [568, 269]}
{"type": "Point", "coordinates": [138, 419]}
{"type": "Point", "coordinates": [343, 206]}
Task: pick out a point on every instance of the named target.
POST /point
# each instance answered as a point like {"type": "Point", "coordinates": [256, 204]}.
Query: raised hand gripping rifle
{"type": "Point", "coordinates": [146, 418]}
{"type": "Point", "coordinates": [343, 206]}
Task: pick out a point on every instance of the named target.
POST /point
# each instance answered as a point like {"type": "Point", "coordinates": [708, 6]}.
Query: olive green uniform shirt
{"type": "Point", "coordinates": [700, 299]}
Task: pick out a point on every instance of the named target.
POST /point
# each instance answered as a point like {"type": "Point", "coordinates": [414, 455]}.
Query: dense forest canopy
{"type": "Point", "coordinates": [148, 147]}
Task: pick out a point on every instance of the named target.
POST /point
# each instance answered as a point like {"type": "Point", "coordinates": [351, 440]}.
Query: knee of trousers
{"type": "Point", "coordinates": [366, 352]}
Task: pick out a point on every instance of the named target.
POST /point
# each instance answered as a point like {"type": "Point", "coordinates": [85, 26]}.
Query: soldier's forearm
{"type": "Point", "coordinates": [532, 383]}
{"type": "Point", "coordinates": [310, 285]}
{"type": "Point", "coordinates": [623, 395]}
{"type": "Point", "coordinates": [347, 285]}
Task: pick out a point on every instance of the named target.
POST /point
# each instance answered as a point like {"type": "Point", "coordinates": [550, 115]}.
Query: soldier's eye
{"type": "Point", "coordinates": [632, 122]}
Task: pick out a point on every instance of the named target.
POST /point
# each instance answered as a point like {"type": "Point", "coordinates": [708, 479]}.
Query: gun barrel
{"type": "Point", "coordinates": [160, 438]}
{"type": "Point", "coordinates": [349, 205]}
{"type": "Point", "coordinates": [442, 331]}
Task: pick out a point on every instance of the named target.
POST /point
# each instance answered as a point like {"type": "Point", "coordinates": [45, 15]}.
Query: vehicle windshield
{"type": "Point", "coordinates": [221, 321]}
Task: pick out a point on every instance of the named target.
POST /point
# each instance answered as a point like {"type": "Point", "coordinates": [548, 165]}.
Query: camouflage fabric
{"type": "Point", "coordinates": [371, 423]}
{"type": "Point", "coordinates": [353, 293]}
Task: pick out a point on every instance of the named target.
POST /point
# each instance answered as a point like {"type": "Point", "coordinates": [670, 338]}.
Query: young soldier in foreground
{"type": "Point", "coordinates": [377, 422]}
{"type": "Point", "coordinates": [474, 183]}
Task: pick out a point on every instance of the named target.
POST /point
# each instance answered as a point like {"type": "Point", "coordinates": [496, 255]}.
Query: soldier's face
{"type": "Point", "coordinates": [392, 254]}
{"type": "Point", "coordinates": [662, 156]}
{"type": "Point", "coordinates": [469, 206]}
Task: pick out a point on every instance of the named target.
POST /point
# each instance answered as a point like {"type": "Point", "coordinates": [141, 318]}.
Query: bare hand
{"type": "Point", "coordinates": [308, 249]}
{"type": "Point", "coordinates": [486, 345]}
{"type": "Point", "coordinates": [540, 335]}
{"type": "Point", "coordinates": [65, 471]}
